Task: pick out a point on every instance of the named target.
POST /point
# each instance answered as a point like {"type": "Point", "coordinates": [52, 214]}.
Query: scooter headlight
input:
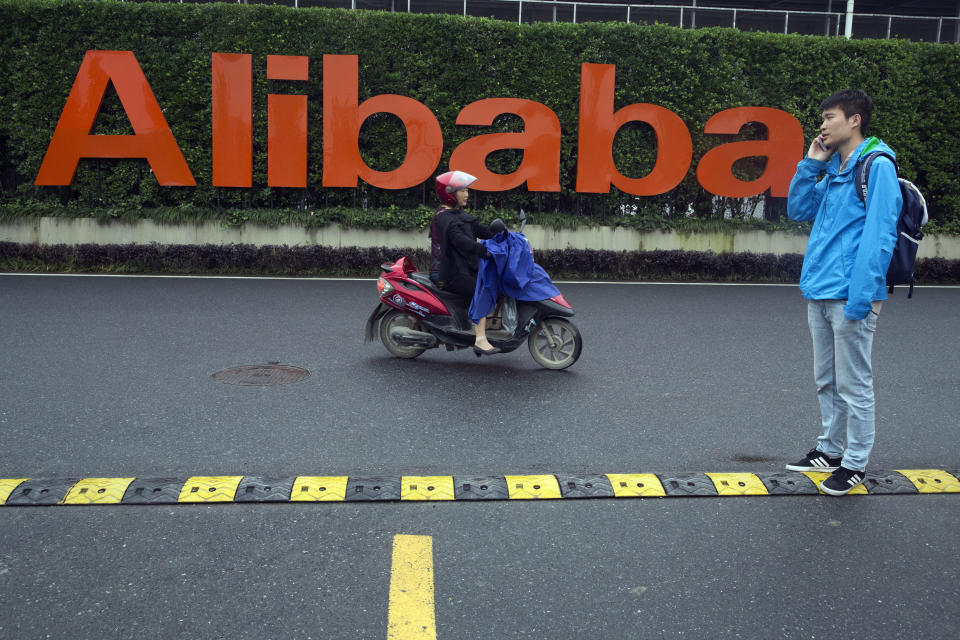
{"type": "Point", "coordinates": [384, 288]}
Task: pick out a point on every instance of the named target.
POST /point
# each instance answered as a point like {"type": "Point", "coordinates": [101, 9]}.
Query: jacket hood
{"type": "Point", "coordinates": [869, 145]}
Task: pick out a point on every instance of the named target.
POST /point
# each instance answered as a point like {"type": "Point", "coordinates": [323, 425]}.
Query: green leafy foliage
{"type": "Point", "coordinates": [363, 262]}
{"type": "Point", "coordinates": [447, 62]}
{"type": "Point", "coordinates": [390, 217]}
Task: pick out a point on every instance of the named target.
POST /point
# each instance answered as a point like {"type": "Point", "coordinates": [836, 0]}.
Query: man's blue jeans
{"type": "Point", "coordinates": [844, 376]}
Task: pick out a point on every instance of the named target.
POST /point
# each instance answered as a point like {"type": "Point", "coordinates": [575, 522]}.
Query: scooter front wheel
{"type": "Point", "coordinates": [394, 319]}
{"type": "Point", "coordinates": [555, 343]}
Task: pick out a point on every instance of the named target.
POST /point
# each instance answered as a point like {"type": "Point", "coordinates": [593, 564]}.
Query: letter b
{"type": "Point", "coordinates": [598, 128]}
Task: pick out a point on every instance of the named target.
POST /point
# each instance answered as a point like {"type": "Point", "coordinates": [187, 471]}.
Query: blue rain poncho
{"type": "Point", "coordinates": [509, 269]}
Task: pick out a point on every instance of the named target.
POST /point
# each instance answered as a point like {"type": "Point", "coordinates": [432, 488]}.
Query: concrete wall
{"type": "Point", "coordinates": [83, 231]}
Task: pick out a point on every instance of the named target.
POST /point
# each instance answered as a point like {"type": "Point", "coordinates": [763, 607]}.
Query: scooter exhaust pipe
{"type": "Point", "coordinates": [410, 338]}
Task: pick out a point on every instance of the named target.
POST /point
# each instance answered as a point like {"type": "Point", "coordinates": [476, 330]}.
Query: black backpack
{"type": "Point", "coordinates": [913, 215]}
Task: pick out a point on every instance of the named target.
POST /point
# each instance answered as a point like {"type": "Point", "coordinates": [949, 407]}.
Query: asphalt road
{"type": "Point", "coordinates": [111, 377]}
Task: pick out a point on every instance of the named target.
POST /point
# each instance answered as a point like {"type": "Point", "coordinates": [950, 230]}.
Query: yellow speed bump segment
{"type": "Point", "coordinates": [7, 485]}
{"type": "Point", "coordinates": [319, 489]}
{"type": "Point", "coordinates": [636, 485]}
{"type": "Point", "coordinates": [738, 484]}
{"type": "Point", "coordinates": [97, 491]}
{"type": "Point", "coordinates": [411, 614]}
{"type": "Point", "coordinates": [931, 480]}
{"type": "Point", "coordinates": [820, 476]}
{"type": "Point", "coordinates": [426, 488]}
{"type": "Point", "coordinates": [533, 487]}
{"type": "Point", "coordinates": [210, 489]}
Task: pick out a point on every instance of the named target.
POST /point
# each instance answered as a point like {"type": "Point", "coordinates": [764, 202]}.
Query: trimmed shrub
{"type": "Point", "coordinates": [318, 260]}
{"type": "Point", "coordinates": [447, 62]}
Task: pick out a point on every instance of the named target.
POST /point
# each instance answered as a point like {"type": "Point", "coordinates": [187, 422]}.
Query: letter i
{"type": "Point", "coordinates": [287, 125]}
{"type": "Point", "coordinates": [232, 120]}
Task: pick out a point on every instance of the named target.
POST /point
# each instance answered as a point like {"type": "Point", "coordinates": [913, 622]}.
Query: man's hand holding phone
{"type": "Point", "coordinates": [820, 151]}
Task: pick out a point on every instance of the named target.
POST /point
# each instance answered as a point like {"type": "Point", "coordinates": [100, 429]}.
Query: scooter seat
{"type": "Point", "coordinates": [456, 304]}
{"type": "Point", "coordinates": [424, 278]}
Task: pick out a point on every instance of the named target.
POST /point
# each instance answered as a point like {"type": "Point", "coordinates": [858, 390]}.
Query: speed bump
{"type": "Point", "coordinates": [319, 489]}
{"type": "Point", "coordinates": [888, 482]}
{"type": "Point", "coordinates": [584, 486]}
{"type": "Point", "coordinates": [301, 489]}
{"type": "Point", "coordinates": [788, 483]}
{"type": "Point", "coordinates": [38, 492]}
{"type": "Point", "coordinates": [688, 484]}
{"type": "Point", "coordinates": [636, 485]}
{"type": "Point", "coordinates": [820, 476]}
{"type": "Point", "coordinates": [258, 489]}
{"type": "Point", "coordinates": [738, 484]}
{"type": "Point", "coordinates": [98, 491]}
{"type": "Point", "coordinates": [7, 486]}
{"type": "Point", "coordinates": [540, 487]}
{"type": "Point", "coordinates": [210, 489]}
{"type": "Point", "coordinates": [481, 488]}
{"type": "Point", "coordinates": [932, 480]}
{"type": "Point", "coordinates": [153, 491]}
{"type": "Point", "coordinates": [426, 488]}
{"type": "Point", "coordinates": [372, 488]}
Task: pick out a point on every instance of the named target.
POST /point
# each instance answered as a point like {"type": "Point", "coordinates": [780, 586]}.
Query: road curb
{"type": "Point", "coordinates": [411, 488]}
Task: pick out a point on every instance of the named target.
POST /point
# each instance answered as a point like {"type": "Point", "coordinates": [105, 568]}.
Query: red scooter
{"type": "Point", "coordinates": [415, 315]}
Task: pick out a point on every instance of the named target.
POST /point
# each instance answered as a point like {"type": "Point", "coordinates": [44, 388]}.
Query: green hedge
{"type": "Point", "coordinates": [447, 62]}
{"type": "Point", "coordinates": [578, 264]}
{"type": "Point", "coordinates": [391, 217]}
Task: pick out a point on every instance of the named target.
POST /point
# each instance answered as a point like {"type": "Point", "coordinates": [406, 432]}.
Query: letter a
{"type": "Point", "coordinates": [783, 149]}
{"type": "Point", "coordinates": [152, 137]}
{"type": "Point", "coordinates": [599, 126]}
{"type": "Point", "coordinates": [342, 119]}
{"type": "Point", "coordinates": [540, 141]}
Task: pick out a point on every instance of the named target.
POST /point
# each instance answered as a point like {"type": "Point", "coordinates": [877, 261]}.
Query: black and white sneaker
{"type": "Point", "coordinates": [842, 481]}
{"type": "Point", "coordinates": [815, 461]}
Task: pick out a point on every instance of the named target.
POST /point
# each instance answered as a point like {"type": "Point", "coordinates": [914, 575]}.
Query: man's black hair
{"type": "Point", "coordinates": [851, 101]}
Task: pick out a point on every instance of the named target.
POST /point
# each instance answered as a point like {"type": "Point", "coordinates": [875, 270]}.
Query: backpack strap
{"type": "Point", "coordinates": [863, 171]}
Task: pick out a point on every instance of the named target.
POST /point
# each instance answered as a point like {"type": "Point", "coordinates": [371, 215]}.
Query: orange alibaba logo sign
{"type": "Point", "coordinates": [343, 115]}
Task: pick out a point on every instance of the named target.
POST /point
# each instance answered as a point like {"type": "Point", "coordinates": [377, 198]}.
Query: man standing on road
{"type": "Point", "coordinates": [844, 280]}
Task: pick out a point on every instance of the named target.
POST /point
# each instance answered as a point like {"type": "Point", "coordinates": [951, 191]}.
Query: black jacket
{"type": "Point", "coordinates": [455, 250]}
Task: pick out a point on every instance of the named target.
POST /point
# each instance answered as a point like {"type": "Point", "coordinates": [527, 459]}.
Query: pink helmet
{"type": "Point", "coordinates": [449, 182]}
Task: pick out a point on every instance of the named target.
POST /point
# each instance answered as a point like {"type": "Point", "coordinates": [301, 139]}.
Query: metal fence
{"type": "Point", "coordinates": [883, 26]}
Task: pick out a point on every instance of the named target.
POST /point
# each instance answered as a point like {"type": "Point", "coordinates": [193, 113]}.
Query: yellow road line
{"type": "Point", "coordinates": [411, 615]}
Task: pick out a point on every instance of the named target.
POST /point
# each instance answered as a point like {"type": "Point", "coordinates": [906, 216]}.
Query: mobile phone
{"type": "Point", "coordinates": [821, 145]}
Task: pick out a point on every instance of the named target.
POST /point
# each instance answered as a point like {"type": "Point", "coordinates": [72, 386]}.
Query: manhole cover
{"type": "Point", "coordinates": [261, 374]}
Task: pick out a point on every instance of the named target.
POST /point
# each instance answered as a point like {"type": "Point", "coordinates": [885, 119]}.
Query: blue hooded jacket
{"type": "Point", "coordinates": [511, 269]}
{"type": "Point", "coordinates": [851, 243]}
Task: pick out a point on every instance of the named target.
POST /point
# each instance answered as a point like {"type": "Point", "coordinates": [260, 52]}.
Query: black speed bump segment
{"type": "Point", "coordinates": [480, 488]}
{"type": "Point", "coordinates": [786, 483]}
{"type": "Point", "coordinates": [236, 489]}
{"type": "Point", "coordinates": [153, 491]}
{"type": "Point", "coordinates": [373, 488]}
{"type": "Point", "coordinates": [890, 482]}
{"type": "Point", "coordinates": [688, 484]}
{"type": "Point", "coordinates": [257, 489]}
{"type": "Point", "coordinates": [585, 486]}
{"type": "Point", "coordinates": [40, 492]}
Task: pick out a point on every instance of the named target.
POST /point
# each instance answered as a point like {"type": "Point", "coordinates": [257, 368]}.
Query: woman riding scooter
{"type": "Point", "coordinates": [454, 249]}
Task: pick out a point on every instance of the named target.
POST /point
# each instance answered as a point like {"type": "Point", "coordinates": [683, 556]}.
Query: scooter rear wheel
{"type": "Point", "coordinates": [393, 319]}
{"type": "Point", "coordinates": [555, 343]}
